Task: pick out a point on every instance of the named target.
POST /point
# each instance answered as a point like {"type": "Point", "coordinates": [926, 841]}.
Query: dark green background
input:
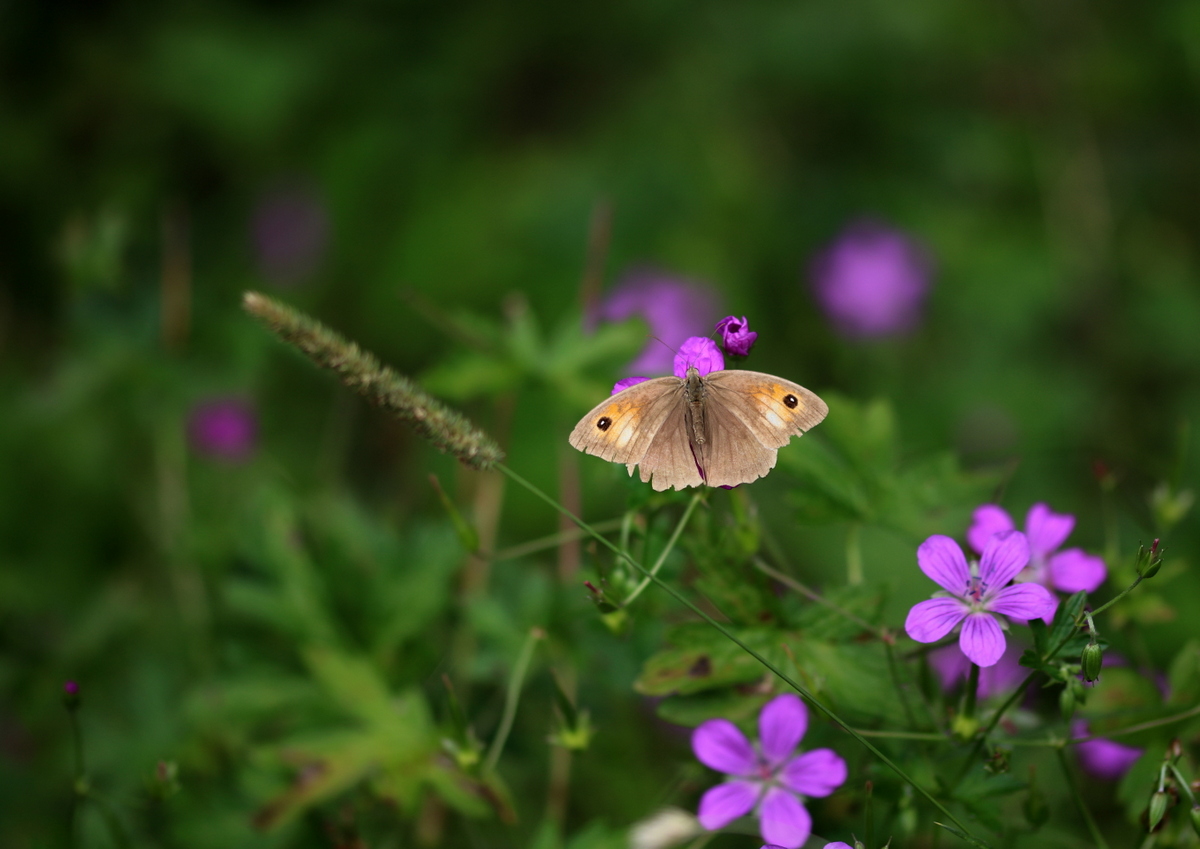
{"type": "Point", "coordinates": [1046, 153]}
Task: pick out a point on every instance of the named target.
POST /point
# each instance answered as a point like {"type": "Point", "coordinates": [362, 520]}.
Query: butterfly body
{"type": "Point", "coordinates": [720, 429]}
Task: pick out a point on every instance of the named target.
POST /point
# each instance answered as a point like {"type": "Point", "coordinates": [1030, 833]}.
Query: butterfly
{"type": "Point", "coordinates": [719, 429]}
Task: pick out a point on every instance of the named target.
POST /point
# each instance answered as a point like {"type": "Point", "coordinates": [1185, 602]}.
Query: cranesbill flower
{"type": "Point", "coordinates": [952, 666]}
{"type": "Point", "coordinates": [224, 428]}
{"type": "Point", "coordinates": [1106, 759]}
{"type": "Point", "coordinates": [736, 336]}
{"type": "Point", "coordinates": [770, 779]}
{"type": "Point", "coordinates": [626, 382]}
{"type": "Point", "coordinates": [973, 596]}
{"type": "Point", "coordinates": [871, 281]}
{"type": "Point", "coordinates": [701, 352]}
{"type": "Point", "coordinates": [672, 306]}
{"type": "Point", "coordinates": [1068, 571]}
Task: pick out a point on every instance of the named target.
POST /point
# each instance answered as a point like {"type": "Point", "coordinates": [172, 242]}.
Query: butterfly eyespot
{"type": "Point", "coordinates": [604, 423]}
{"type": "Point", "coordinates": [791, 401]}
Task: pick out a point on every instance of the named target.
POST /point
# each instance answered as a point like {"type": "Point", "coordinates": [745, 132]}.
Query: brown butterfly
{"type": "Point", "coordinates": [720, 429]}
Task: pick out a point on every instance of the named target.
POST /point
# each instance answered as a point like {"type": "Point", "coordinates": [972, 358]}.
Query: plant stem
{"type": "Point", "coordinates": [667, 549]}
{"type": "Point", "coordinates": [1073, 784]}
{"type": "Point", "coordinates": [854, 566]}
{"type": "Point", "coordinates": [972, 692]}
{"type": "Point", "coordinates": [792, 584]}
{"type": "Point", "coordinates": [512, 697]}
{"type": "Point", "coordinates": [1117, 597]}
{"type": "Point", "coordinates": [738, 642]}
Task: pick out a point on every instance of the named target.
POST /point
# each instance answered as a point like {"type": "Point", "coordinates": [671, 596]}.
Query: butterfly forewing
{"type": "Point", "coordinates": [773, 409]}
{"type": "Point", "coordinates": [621, 428]}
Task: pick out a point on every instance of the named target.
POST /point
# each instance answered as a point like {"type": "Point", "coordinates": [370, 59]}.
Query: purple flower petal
{"type": "Point", "coordinates": [783, 820]}
{"type": "Point", "coordinates": [736, 336]}
{"type": "Point", "coordinates": [838, 844]}
{"type": "Point", "coordinates": [673, 307]}
{"type": "Point", "coordinates": [871, 281]}
{"type": "Point", "coordinates": [719, 744]}
{"type": "Point", "coordinates": [952, 666]}
{"type": "Point", "coordinates": [1074, 570]}
{"type": "Point", "coordinates": [1025, 602]}
{"type": "Point", "coordinates": [1003, 557]}
{"type": "Point", "coordinates": [721, 805]}
{"type": "Point", "coordinates": [815, 773]}
{"type": "Point", "coordinates": [942, 560]}
{"type": "Point", "coordinates": [987, 520]}
{"type": "Point", "coordinates": [626, 382]}
{"type": "Point", "coordinates": [929, 621]}
{"type": "Point", "coordinates": [701, 352]}
{"type": "Point", "coordinates": [981, 639]}
{"type": "Point", "coordinates": [1104, 759]}
{"type": "Point", "coordinates": [1046, 529]}
{"type": "Point", "coordinates": [781, 724]}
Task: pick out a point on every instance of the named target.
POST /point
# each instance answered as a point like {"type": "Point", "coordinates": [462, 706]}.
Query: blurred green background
{"type": "Point", "coordinates": [424, 177]}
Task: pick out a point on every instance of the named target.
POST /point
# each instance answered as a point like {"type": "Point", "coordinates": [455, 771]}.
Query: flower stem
{"type": "Point", "coordinates": [1117, 597]}
{"type": "Point", "coordinates": [1073, 784]}
{"type": "Point", "coordinates": [512, 697]}
{"type": "Point", "coordinates": [803, 691]}
{"type": "Point", "coordinates": [972, 693]}
{"type": "Point", "coordinates": [667, 549]}
{"type": "Point", "coordinates": [854, 565]}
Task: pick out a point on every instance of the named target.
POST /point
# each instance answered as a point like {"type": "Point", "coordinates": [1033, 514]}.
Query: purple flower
{"type": "Point", "coordinates": [224, 428]}
{"type": "Point", "coordinates": [70, 688]}
{"type": "Point", "coordinates": [701, 352]}
{"type": "Point", "coordinates": [952, 666]}
{"type": "Point", "coordinates": [673, 308]}
{"type": "Point", "coordinates": [770, 778]}
{"type": "Point", "coordinates": [1068, 571]}
{"type": "Point", "coordinates": [972, 598]}
{"type": "Point", "coordinates": [291, 232]}
{"type": "Point", "coordinates": [736, 336]}
{"type": "Point", "coordinates": [1104, 759]}
{"type": "Point", "coordinates": [871, 281]}
{"type": "Point", "coordinates": [626, 382]}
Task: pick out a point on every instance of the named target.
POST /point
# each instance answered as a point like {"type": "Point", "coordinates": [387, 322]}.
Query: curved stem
{"type": "Point", "coordinates": [667, 549]}
{"type": "Point", "coordinates": [511, 698]}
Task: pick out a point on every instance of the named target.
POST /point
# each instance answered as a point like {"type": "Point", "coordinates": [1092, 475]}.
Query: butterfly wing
{"type": "Point", "coordinates": [773, 409]}
{"type": "Point", "coordinates": [749, 416]}
{"type": "Point", "coordinates": [643, 426]}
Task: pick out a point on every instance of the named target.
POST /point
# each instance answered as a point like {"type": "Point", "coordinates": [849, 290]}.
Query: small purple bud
{"type": "Point", "coordinates": [223, 428]}
{"type": "Point", "coordinates": [71, 697]}
{"type": "Point", "coordinates": [736, 336]}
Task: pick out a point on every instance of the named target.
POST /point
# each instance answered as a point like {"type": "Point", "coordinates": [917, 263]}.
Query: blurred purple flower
{"type": "Point", "coordinates": [872, 280]}
{"type": "Point", "coordinates": [770, 779]}
{"type": "Point", "coordinates": [736, 336]}
{"type": "Point", "coordinates": [626, 382]}
{"type": "Point", "coordinates": [1104, 759]}
{"type": "Point", "coordinates": [1068, 571]}
{"type": "Point", "coordinates": [698, 351]}
{"type": "Point", "coordinates": [673, 308]}
{"type": "Point", "coordinates": [973, 599]}
{"type": "Point", "coordinates": [290, 229]}
{"type": "Point", "coordinates": [224, 428]}
{"type": "Point", "coordinates": [71, 688]}
{"type": "Point", "coordinates": [952, 666]}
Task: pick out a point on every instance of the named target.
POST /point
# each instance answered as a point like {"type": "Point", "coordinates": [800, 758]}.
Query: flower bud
{"type": "Point", "coordinates": [1066, 702]}
{"type": "Point", "coordinates": [1158, 808]}
{"type": "Point", "coordinates": [1149, 562]}
{"type": "Point", "coordinates": [1091, 660]}
{"type": "Point", "coordinates": [71, 697]}
{"type": "Point", "coordinates": [1037, 812]}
